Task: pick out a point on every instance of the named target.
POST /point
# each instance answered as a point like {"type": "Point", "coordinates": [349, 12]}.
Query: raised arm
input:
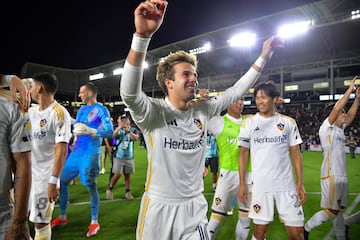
{"type": "Point", "coordinates": [354, 107]}
{"type": "Point", "coordinates": [340, 104]}
{"type": "Point", "coordinates": [149, 16]}
{"type": "Point", "coordinates": [18, 90]}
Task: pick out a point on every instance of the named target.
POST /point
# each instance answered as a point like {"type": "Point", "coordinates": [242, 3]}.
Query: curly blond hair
{"type": "Point", "coordinates": [165, 68]}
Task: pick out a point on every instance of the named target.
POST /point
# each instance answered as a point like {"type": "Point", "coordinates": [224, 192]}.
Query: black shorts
{"type": "Point", "coordinates": [214, 164]}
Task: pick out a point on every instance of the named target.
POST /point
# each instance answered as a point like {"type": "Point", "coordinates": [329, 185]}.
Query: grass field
{"type": "Point", "coordinates": [118, 217]}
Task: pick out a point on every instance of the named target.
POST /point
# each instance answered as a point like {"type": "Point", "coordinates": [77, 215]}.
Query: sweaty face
{"type": "Point", "coordinates": [264, 103]}
{"type": "Point", "coordinates": [184, 84]}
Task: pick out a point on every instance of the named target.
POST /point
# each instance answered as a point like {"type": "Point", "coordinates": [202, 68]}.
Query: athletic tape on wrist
{"type": "Point", "coordinates": [53, 180]}
{"type": "Point", "coordinates": [260, 62]}
{"type": "Point", "coordinates": [139, 44]}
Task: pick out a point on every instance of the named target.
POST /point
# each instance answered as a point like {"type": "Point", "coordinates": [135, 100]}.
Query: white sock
{"type": "Point", "coordinates": [242, 228]}
{"type": "Point", "coordinates": [94, 221]}
{"type": "Point", "coordinates": [43, 233]}
{"type": "Point", "coordinates": [317, 219]}
{"type": "Point", "coordinates": [216, 220]}
{"type": "Point", "coordinates": [354, 218]}
{"type": "Point", "coordinates": [339, 226]}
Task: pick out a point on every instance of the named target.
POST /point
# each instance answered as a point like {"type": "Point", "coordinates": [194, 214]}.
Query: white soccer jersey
{"type": "Point", "coordinates": [333, 141]}
{"type": "Point", "coordinates": [269, 140]}
{"type": "Point", "coordinates": [15, 132]}
{"type": "Point", "coordinates": [49, 126]}
{"type": "Point", "coordinates": [175, 139]}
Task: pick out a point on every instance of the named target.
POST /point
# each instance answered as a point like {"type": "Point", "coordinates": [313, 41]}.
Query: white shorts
{"type": "Point", "coordinates": [163, 218]}
{"type": "Point", "coordinates": [334, 192]}
{"type": "Point", "coordinates": [227, 188]}
{"type": "Point", "coordinates": [123, 166]}
{"type": "Point", "coordinates": [41, 209]}
{"type": "Point", "coordinates": [287, 204]}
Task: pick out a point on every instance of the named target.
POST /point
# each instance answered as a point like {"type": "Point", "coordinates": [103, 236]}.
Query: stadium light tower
{"type": "Point", "coordinates": [294, 29]}
{"type": "Point", "coordinates": [245, 39]}
{"type": "Point", "coordinates": [355, 14]}
{"type": "Point", "coordinates": [96, 76]}
{"type": "Point", "coordinates": [204, 48]}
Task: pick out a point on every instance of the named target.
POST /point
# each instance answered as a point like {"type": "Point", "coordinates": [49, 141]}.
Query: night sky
{"type": "Point", "coordinates": [83, 34]}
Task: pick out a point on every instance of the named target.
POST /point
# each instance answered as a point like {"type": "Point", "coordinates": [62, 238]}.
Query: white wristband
{"type": "Point", "coordinates": [139, 44]}
{"type": "Point", "coordinates": [53, 180]}
{"type": "Point", "coordinates": [260, 62]}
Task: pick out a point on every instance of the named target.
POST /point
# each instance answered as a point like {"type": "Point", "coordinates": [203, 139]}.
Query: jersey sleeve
{"type": "Point", "coordinates": [244, 134]}
{"type": "Point", "coordinates": [107, 129]}
{"type": "Point", "coordinates": [62, 125]}
{"type": "Point", "coordinates": [294, 137]}
{"type": "Point", "coordinates": [216, 125]}
{"type": "Point", "coordinates": [20, 132]}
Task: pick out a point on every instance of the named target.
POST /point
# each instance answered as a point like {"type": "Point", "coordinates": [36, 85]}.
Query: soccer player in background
{"type": "Point", "coordinates": [273, 140]}
{"type": "Point", "coordinates": [50, 131]}
{"type": "Point", "coordinates": [226, 131]}
{"type": "Point", "coordinates": [173, 205]}
{"type": "Point", "coordinates": [92, 123]}
{"type": "Point", "coordinates": [333, 181]}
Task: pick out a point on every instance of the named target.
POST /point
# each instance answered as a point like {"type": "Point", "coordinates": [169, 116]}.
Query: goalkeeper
{"type": "Point", "coordinates": [92, 124]}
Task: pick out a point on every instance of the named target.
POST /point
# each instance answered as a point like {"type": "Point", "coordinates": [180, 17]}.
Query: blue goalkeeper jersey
{"type": "Point", "coordinates": [95, 116]}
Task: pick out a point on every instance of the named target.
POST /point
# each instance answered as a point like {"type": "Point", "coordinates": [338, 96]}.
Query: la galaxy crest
{"type": "Point", "coordinates": [43, 122]}
{"type": "Point", "coordinates": [198, 123]}
{"type": "Point", "coordinates": [280, 126]}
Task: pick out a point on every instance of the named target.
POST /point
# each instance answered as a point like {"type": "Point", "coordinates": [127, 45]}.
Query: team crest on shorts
{"type": "Point", "coordinates": [281, 126]}
{"type": "Point", "coordinates": [198, 123]}
{"type": "Point", "coordinates": [43, 122]}
{"type": "Point", "coordinates": [257, 208]}
{"type": "Point", "coordinates": [217, 201]}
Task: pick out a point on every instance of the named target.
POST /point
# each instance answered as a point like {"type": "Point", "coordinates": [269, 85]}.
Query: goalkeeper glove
{"type": "Point", "coordinates": [82, 129]}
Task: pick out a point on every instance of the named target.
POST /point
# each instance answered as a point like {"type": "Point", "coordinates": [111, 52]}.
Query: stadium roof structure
{"type": "Point", "coordinates": [328, 52]}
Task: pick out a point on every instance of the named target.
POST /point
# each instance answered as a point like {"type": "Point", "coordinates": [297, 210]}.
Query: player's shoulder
{"type": "Point", "coordinates": [287, 118]}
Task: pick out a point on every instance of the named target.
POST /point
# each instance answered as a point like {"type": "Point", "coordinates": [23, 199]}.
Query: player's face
{"type": "Point", "coordinates": [342, 118]}
{"type": "Point", "coordinates": [84, 94]}
{"type": "Point", "coordinates": [33, 91]}
{"type": "Point", "coordinates": [184, 85]}
{"type": "Point", "coordinates": [264, 103]}
{"type": "Point", "coordinates": [236, 108]}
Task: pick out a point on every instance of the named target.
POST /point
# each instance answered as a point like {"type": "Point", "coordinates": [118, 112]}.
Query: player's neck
{"type": "Point", "coordinates": [91, 102]}
{"type": "Point", "coordinates": [45, 102]}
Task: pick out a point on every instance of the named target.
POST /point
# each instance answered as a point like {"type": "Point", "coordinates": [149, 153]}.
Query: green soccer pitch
{"type": "Point", "coordinates": [118, 217]}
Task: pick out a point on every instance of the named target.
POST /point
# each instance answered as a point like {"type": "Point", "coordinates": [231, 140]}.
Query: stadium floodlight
{"type": "Point", "coordinates": [204, 48]}
{"type": "Point", "coordinates": [247, 102]}
{"type": "Point", "coordinates": [96, 76]}
{"type": "Point", "coordinates": [355, 14]}
{"type": "Point", "coordinates": [118, 71]}
{"type": "Point", "coordinates": [293, 29]}
{"type": "Point", "coordinates": [245, 39]}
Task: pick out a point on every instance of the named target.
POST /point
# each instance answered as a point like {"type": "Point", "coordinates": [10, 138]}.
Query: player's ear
{"type": "Point", "coordinates": [168, 83]}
